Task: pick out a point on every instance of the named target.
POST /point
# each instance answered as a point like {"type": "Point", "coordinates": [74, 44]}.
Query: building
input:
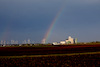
{"type": "Point", "coordinates": [75, 40]}
{"type": "Point", "coordinates": [2, 42]}
{"type": "Point", "coordinates": [43, 41]}
{"type": "Point", "coordinates": [70, 40]}
{"type": "Point", "coordinates": [62, 42]}
{"type": "Point", "coordinates": [55, 43]}
{"type": "Point", "coordinates": [29, 41]}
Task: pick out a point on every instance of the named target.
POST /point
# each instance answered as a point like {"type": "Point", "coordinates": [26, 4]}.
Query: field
{"type": "Point", "coordinates": [57, 56]}
{"type": "Point", "coordinates": [18, 51]}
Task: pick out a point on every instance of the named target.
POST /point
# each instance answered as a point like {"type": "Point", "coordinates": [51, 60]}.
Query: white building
{"type": "Point", "coordinates": [2, 42]}
{"type": "Point", "coordinates": [29, 41]}
{"type": "Point", "coordinates": [70, 40]}
{"type": "Point", "coordinates": [12, 41]}
{"type": "Point", "coordinates": [62, 42]}
{"type": "Point", "coordinates": [55, 43]}
{"type": "Point", "coordinates": [75, 40]}
{"type": "Point", "coordinates": [43, 41]}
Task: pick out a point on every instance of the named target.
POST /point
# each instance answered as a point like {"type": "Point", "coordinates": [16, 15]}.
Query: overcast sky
{"type": "Point", "coordinates": [30, 19]}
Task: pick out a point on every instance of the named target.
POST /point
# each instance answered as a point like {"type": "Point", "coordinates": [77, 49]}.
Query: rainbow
{"type": "Point", "coordinates": [47, 35]}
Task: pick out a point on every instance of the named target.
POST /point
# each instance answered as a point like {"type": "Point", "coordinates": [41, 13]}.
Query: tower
{"type": "Point", "coordinates": [29, 41]}
{"type": "Point", "coordinates": [12, 41]}
{"type": "Point", "coordinates": [71, 39]}
{"type": "Point", "coordinates": [1, 42]}
{"type": "Point", "coordinates": [75, 40]}
{"type": "Point", "coordinates": [43, 41]}
{"type": "Point", "coordinates": [4, 42]}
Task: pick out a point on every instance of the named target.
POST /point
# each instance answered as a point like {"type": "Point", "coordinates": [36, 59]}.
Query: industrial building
{"type": "Point", "coordinates": [70, 40]}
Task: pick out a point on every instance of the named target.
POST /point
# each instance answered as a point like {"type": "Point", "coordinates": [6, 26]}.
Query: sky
{"type": "Point", "coordinates": [31, 19]}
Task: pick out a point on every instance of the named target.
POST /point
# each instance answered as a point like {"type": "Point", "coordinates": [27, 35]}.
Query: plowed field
{"type": "Point", "coordinates": [18, 51]}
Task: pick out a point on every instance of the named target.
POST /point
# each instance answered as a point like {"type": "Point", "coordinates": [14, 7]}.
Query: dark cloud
{"type": "Point", "coordinates": [32, 18]}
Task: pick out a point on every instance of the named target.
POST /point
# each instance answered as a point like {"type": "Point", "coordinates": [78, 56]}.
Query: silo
{"type": "Point", "coordinates": [75, 40]}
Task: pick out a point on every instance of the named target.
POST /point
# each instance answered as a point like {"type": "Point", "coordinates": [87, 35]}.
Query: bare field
{"type": "Point", "coordinates": [87, 60]}
{"type": "Point", "coordinates": [18, 51]}
{"type": "Point", "coordinates": [56, 56]}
